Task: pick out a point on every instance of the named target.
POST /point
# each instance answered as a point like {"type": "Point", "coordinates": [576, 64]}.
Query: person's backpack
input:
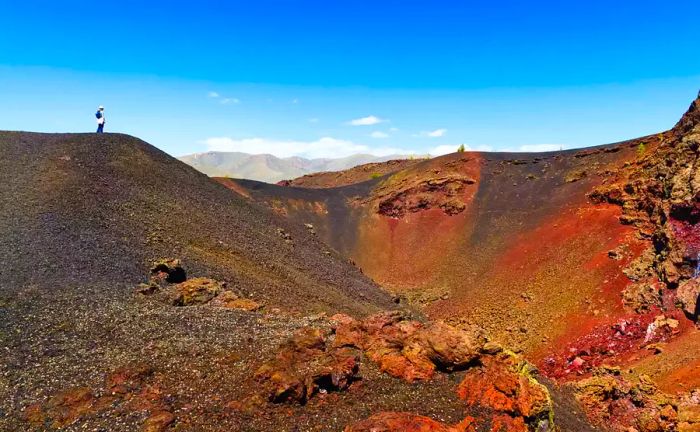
{"type": "Point", "coordinates": [98, 114]}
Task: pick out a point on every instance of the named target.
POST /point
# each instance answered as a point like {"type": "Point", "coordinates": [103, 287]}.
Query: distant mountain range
{"type": "Point", "coordinates": [271, 169]}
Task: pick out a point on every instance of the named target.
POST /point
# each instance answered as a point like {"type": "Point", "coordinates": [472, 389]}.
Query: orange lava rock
{"type": "Point", "coordinates": [197, 291]}
{"type": "Point", "coordinates": [243, 304]}
{"type": "Point", "coordinates": [63, 409]}
{"type": "Point", "coordinates": [407, 349]}
{"type": "Point", "coordinates": [506, 423]}
{"type": "Point", "coordinates": [306, 365]}
{"type": "Point", "coordinates": [504, 385]}
{"type": "Point", "coordinates": [159, 421]}
{"type": "Point", "coordinates": [407, 422]}
{"type": "Point", "coordinates": [127, 379]}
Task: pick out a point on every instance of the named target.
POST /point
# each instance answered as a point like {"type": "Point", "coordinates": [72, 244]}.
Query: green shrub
{"type": "Point", "coordinates": [641, 148]}
{"type": "Point", "coordinates": [461, 148]}
{"type": "Point", "coordinates": [374, 175]}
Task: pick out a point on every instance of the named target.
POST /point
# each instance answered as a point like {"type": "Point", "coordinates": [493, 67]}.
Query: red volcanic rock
{"type": "Point", "coordinates": [63, 409]}
{"type": "Point", "coordinates": [422, 194]}
{"type": "Point", "coordinates": [315, 359]}
{"type": "Point", "coordinates": [407, 422]}
{"type": "Point", "coordinates": [687, 297]}
{"type": "Point", "coordinates": [504, 385]}
{"type": "Point", "coordinates": [659, 195]}
{"type": "Point", "coordinates": [506, 423]}
{"type": "Point", "coordinates": [229, 300]}
{"type": "Point", "coordinates": [305, 365]}
{"type": "Point", "coordinates": [159, 421]}
{"type": "Point", "coordinates": [127, 379]}
{"type": "Point", "coordinates": [197, 291]}
{"type": "Point", "coordinates": [445, 346]}
{"type": "Point", "coordinates": [622, 404]}
{"type": "Point", "coordinates": [133, 387]}
{"type": "Point", "coordinates": [407, 349]}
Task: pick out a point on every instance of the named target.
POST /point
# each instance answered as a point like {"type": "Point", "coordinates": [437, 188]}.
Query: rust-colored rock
{"type": "Point", "coordinates": [305, 365]}
{"type": "Point", "coordinates": [407, 422]}
{"type": "Point", "coordinates": [62, 409]}
{"type": "Point", "coordinates": [622, 403]}
{"type": "Point", "coordinates": [229, 300]}
{"type": "Point", "coordinates": [422, 194]}
{"type": "Point", "coordinates": [197, 291]}
{"type": "Point", "coordinates": [687, 297]}
{"type": "Point", "coordinates": [127, 379]}
{"type": "Point", "coordinates": [158, 421]}
{"type": "Point", "coordinates": [407, 349]}
{"type": "Point", "coordinates": [505, 385]}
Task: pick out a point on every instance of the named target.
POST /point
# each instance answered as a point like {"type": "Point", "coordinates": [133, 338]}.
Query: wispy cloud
{"type": "Point", "coordinates": [379, 134]}
{"type": "Point", "coordinates": [326, 147]}
{"type": "Point", "coordinates": [366, 121]}
{"type": "Point", "coordinates": [535, 148]}
{"type": "Point", "coordinates": [437, 133]}
{"type": "Point", "coordinates": [314, 120]}
{"type": "Point", "coordinates": [223, 100]}
{"type": "Point", "coordinates": [451, 148]}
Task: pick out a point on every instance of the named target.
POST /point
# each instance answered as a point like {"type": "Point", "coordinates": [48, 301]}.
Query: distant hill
{"type": "Point", "coordinates": [271, 169]}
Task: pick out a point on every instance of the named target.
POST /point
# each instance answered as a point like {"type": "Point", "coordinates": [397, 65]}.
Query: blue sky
{"type": "Point", "coordinates": [323, 79]}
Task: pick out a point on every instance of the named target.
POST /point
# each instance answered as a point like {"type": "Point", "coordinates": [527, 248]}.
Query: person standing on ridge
{"type": "Point", "coordinates": [100, 114]}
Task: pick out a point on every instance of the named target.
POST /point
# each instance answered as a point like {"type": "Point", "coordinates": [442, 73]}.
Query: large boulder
{"type": "Point", "coordinates": [506, 386]}
{"type": "Point", "coordinates": [305, 365]}
{"type": "Point", "coordinates": [687, 296]}
{"type": "Point", "coordinates": [407, 422]}
{"type": "Point", "coordinates": [408, 349]}
{"type": "Point", "coordinates": [197, 291]}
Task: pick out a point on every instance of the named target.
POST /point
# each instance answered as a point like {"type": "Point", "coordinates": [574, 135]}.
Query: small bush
{"type": "Point", "coordinates": [641, 148]}
{"type": "Point", "coordinates": [461, 148]}
{"type": "Point", "coordinates": [375, 175]}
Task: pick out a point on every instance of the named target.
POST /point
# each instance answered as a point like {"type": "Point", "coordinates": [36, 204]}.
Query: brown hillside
{"type": "Point", "coordinates": [350, 176]}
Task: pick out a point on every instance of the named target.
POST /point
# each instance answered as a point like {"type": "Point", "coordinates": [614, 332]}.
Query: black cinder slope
{"type": "Point", "coordinates": [81, 208]}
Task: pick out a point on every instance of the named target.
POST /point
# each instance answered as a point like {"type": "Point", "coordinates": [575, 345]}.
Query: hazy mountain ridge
{"type": "Point", "coordinates": [271, 169]}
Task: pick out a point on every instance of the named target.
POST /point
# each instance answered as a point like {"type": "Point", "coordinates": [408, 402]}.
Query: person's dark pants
{"type": "Point", "coordinates": [100, 128]}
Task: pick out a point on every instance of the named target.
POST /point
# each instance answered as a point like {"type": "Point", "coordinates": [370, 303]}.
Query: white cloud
{"type": "Point", "coordinates": [445, 149]}
{"type": "Point", "coordinates": [451, 148]}
{"type": "Point", "coordinates": [226, 101]}
{"type": "Point", "coordinates": [366, 121]}
{"type": "Point", "coordinates": [394, 129]}
{"type": "Point", "coordinates": [379, 134]}
{"type": "Point", "coordinates": [533, 148]}
{"type": "Point", "coordinates": [213, 94]}
{"type": "Point", "coordinates": [437, 133]}
{"type": "Point", "coordinates": [326, 147]}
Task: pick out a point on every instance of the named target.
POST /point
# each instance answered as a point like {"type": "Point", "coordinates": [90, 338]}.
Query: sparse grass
{"type": "Point", "coordinates": [375, 175]}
